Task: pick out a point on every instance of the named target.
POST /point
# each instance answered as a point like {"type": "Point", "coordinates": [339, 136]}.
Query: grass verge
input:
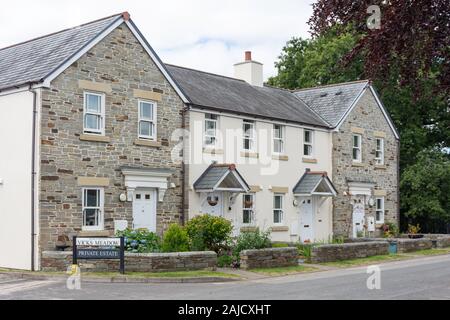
{"type": "Point", "coordinates": [430, 252]}
{"type": "Point", "coordinates": [284, 270]}
{"type": "Point", "coordinates": [365, 261]}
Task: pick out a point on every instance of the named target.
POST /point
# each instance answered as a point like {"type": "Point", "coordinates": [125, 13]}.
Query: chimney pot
{"type": "Point", "coordinates": [126, 16]}
{"type": "Point", "coordinates": [248, 56]}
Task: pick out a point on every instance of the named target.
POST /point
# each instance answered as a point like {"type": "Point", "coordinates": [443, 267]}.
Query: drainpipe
{"type": "Point", "coordinates": [33, 177]}
{"type": "Point", "coordinates": [183, 168]}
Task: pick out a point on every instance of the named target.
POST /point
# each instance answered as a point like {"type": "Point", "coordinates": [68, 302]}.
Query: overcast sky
{"type": "Point", "coordinates": [209, 35]}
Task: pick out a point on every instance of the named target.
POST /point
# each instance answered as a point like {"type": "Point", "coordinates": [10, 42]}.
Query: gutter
{"type": "Point", "coordinates": [33, 178]}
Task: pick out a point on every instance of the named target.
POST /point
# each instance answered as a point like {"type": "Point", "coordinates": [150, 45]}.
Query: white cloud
{"type": "Point", "coordinates": [210, 35]}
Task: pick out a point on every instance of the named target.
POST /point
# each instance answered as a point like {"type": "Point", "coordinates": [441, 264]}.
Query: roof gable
{"type": "Point", "coordinates": [221, 177]}
{"type": "Point", "coordinates": [312, 183]}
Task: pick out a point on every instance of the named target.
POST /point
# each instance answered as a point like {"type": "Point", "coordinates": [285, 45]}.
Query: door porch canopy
{"type": "Point", "coordinates": [221, 177]}
{"type": "Point", "coordinates": [315, 184]}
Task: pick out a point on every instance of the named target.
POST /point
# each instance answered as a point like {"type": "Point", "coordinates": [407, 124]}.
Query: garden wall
{"type": "Point", "coordinates": [134, 262]}
{"type": "Point", "coordinates": [337, 252]}
{"type": "Point", "coordinates": [410, 245]}
{"type": "Point", "coordinates": [269, 258]}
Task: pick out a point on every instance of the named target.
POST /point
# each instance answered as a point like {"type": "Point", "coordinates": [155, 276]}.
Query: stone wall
{"type": "Point", "coordinates": [410, 245]}
{"type": "Point", "coordinates": [337, 252]}
{"type": "Point", "coordinates": [370, 121]}
{"type": "Point", "coordinates": [269, 258]}
{"type": "Point", "coordinates": [120, 63]}
{"type": "Point", "coordinates": [134, 262]}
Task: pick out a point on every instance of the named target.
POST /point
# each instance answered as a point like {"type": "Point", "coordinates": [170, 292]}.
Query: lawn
{"type": "Point", "coordinates": [284, 270]}
{"type": "Point", "coordinates": [366, 261]}
{"type": "Point", "coordinates": [430, 252]}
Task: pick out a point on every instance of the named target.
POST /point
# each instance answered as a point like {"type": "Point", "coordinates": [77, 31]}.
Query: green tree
{"type": "Point", "coordinates": [426, 191]}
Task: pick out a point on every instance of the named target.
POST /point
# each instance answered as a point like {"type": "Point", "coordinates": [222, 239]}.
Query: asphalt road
{"type": "Point", "coordinates": [425, 278]}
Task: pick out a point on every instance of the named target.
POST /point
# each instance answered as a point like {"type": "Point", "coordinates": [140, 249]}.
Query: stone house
{"type": "Point", "coordinates": [94, 109]}
{"type": "Point", "coordinates": [91, 141]}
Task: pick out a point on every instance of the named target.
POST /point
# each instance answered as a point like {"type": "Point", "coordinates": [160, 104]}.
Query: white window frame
{"type": "Point", "coordinates": [101, 131]}
{"type": "Point", "coordinates": [249, 136]}
{"type": "Point", "coordinates": [278, 209]}
{"type": "Point", "coordinates": [205, 131]}
{"type": "Point", "coordinates": [306, 143]}
{"type": "Point", "coordinates": [380, 211]}
{"type": "Point", "coordinates": [379, 160]}
{"type": "Point", "coordinates": [359, 147]}
{"type": "Point", "coordinates": [281, 139]}
{"type": "Point", "coordinates": [251, 210]}
{"type": "Point", "coordinates": [153, 121]}
{"type": "Point", "coordinates": [100, 218]}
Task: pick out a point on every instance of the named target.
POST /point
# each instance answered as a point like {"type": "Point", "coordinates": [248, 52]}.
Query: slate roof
{"type": "Point", "coordinates": [309, 180]}
{"type": "Point", "coordinates": [332, 102]}
{"type": "Point", "coordinates": [31, 61]}
{"type": "Point", "coordinates": [209, 179]}
{"type": "Point", "coordinates": [229, 94]}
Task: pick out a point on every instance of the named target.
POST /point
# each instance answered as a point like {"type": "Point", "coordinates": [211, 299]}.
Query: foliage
{"type": "Point", "coordinates": [426, 191]}
{"type": "Point", "coordinates": [413, 229]}
{"type": "Point", "coordinates": [209, 233]}
{"type": "Point", "coordinates": [305, 250]}
{"type": "Point", "coordinates": [225, 260]}
{"type": "Point", "coordinates": [140, 241]}
{"type": "Point", "coordinates": [252, 240]}
{"type": "Point", "coordinates": [390, 230]}
{"type": "Point", "coordinates": [175, 239]}
{"type": "Point", "coordinates": [280, 245]}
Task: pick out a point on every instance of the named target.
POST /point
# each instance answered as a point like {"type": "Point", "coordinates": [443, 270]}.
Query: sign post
{"type": "Point", "coordinates": [97, 248]}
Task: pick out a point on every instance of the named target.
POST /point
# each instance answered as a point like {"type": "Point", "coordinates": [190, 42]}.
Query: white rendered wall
{"type": "Point", "coordinates": [16, 114]}
{"type": "Point", "coordinates": [263, 172]}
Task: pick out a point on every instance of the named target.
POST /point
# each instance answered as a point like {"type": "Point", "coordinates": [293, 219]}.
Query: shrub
{"type": "Point", "coordinates": [305, 250]}
{"type": "Point", "coordinates": [209, 233]}
{"type": "Point", "coordinates": [140, 241]}
{"type": "Point", "coordinates": [252, 240]}
{"type": "Point", "coordinates": [225, 261]}
{"type": "Point", "coordinates": [175, 239]}
{"type": "Point", "coordinates": [390, 230]}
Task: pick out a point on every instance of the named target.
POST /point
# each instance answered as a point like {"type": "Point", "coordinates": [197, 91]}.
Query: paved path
{"type": "Point", "coordinates": [425, 278]}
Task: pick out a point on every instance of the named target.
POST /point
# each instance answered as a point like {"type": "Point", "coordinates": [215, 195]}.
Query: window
{"type": "Point", "coordinates": [247, 205]}
{"type": "Point", "coordinates": [94, 113]}
{"type": "Point", "coordinates": [278, 209]}
{"type": "Point", "coordinates": [249, 135]}
{"type": "Point", "coordinates": [357, 148]}
{"type": "Point", "coordinates": [278, 138]}
{"type": "Point", "coordinates": [379, 151]}
{"type": "Point", "coordinates": [93, 209]}
{"type": "Point", "coordinates": [210, 138]}
{"type": "Point", "coordinates": [308, 141]}
{"type": "Point", "coordinates": [379, 210]}
{"type": "Point", "coordinates": [147, 120]}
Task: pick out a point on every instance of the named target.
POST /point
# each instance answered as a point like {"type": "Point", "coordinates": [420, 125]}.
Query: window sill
{"type": "Point", "coordinates": [212, 151]}
{"type": "Point", "coordinates": [357, 164]}
{"type": "Point", "coordinates": [280, 157]}
{"type": "Point", "coordinates": [249, 154]}
{"type": "Point", "coordinates": [279, 229]}
{"type": "Point", "coordinates": [147, 143]}
{"type": "Point", "coordinates": [309, 160]}
{"type": "Point", "coordinates": [380, 167]}
{"type": "Point", "coordinates": [248, 229]}
{"type": "Point", "coordinates": [95, 138]}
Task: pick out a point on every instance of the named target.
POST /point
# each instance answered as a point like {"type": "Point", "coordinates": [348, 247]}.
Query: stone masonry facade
{"type": "Point", "coordinates": [120, 62]}
{"type": "Point", "coordinates": [368, 120]}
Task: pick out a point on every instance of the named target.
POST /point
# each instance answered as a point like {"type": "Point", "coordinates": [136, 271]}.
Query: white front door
{"type": "Point", "coordinates": [212, 203]}
{"type": "Point", "coordinates": [358, 216]}
{"type": "Point", "coordinates": [306, 220]}
{"type": "Point", "coordinates": [144, 209]}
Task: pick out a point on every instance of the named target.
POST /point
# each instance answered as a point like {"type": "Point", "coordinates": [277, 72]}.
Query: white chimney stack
{"type": "Point", "coordinates": [249, 71]}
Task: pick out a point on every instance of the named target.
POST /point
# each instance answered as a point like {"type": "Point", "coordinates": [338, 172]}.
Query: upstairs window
{"type": "Point", "coordinates": [278, 209]}
{"type": "Point", "coordinates": [379, 211]}
{"type": "Point", "coordinates": [278, 138]}
{"type": "Point", "coordinates": [210, 134]}
{"type": "Point", "coordinates": [248, 128]}
{"type": "Point", "coordinates": [93, 208]}
{"type": "Point", "coordinates": [147, 120]}
{"type": "Point", "coordinates": [308, 143]}
{"type": "Point", "coordinates": [94, 113]}
{"type": "Point", "coordinates": [379, 151]}
{"type": "Point", "coordinates": [357, 156]}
